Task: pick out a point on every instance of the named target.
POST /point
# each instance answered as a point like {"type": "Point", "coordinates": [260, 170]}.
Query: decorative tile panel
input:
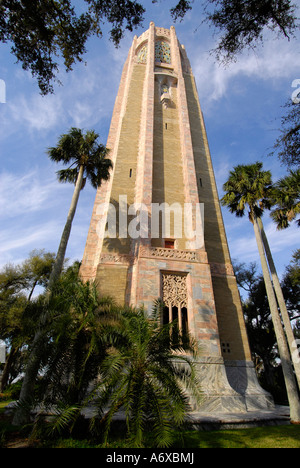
{"type": "Point", "coordinates": [162, 52]}
{"type": "Point", "coordinates": [142, 55]}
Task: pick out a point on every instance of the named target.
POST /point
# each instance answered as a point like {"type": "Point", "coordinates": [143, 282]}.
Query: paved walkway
{"type": "Point", "coordinates": [208, 421]}
{"type": "Point", "coordinates": [212, 421]}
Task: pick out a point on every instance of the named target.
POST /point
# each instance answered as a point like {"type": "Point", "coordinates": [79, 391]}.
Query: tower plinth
{"type": "Point", "coordinates": [157, 230]}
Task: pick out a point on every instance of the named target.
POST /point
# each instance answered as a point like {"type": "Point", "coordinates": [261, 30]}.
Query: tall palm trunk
{"type": "Point", "coordinates": [7, 367]}
{"type": "Point", "coordinates": [290, 382]}
{"type": "Point", "coordinates": [281, 303]}
{"type": "Point", "coordinates": [60, 257]}
{"type": "Point", "coordinates": [22, 413]}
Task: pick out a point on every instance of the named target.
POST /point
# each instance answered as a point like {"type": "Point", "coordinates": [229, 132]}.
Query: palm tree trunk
{"type": "Point", "coordinates": [281, 303]}
{"type": "Point", "coordinates": [290, 382]}
{"type": "Point", "coordinates": [60, 257]}
{"type": "Point", "coordinates": [22, 413]}
{"type": "Point", "coordinates": [7, 367]}
{"type": "Point", "coordinates": [31, 292]}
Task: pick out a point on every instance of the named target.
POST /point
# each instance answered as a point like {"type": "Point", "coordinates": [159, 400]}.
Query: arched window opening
{"type": "Point", "coordinates": [174, 296]}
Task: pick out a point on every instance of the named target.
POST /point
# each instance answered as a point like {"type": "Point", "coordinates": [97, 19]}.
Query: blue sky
{"type": "Point", "coordinates": [242, 106]}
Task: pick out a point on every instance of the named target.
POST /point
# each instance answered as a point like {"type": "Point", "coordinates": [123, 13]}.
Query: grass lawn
{"type": "Point", "coordinates": [257, 437]}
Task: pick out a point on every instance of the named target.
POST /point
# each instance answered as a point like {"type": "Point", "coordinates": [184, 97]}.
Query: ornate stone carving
{"type": "Point", "coordinates": [174, 254]}
{"type": "Point", "coordinates": [174, 290]}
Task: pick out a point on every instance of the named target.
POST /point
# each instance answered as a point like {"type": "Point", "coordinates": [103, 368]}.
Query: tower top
{"type": "Point", "coordinates": [161, 46]}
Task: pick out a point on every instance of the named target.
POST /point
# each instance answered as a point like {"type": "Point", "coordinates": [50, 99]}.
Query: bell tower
{"type": "Point", "coordinates": [157, 230]}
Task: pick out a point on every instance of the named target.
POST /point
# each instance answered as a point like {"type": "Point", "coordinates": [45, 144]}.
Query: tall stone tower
{"type": "Point", "coordinates": [137, 249]}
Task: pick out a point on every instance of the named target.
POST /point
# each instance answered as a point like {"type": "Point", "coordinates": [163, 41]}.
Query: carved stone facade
{"type": "Point", "coordinates": [174, 290]}
{"type": "Point", "coordinates": [159, 149]}
{"type": "Point", "coordinates": [160, 252]}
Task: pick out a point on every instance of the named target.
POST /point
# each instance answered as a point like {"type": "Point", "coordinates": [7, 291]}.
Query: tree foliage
{"type": "Point", "coordinates": [77, 149]}
{"type": "Point", "coordinates": [42, 30]}
{"type": "Point", "coordinates": [148, 373]}
{"type": "Point", "coordinates": [94, 353]}
{"type": "Point", "coordinates": [113, 358]}
{"type": "Point", "coordinates": [258, 320]}
{"type": "Point", "coordinates": [286, 198]}
{"type": "Point", "coordinates": [248, 187]}
{"type": "Point", "coordinates": [17, 320]}
{"type": "Point", "coordinates": [242, 24]}
{"type": "Point", "coordinates": [87, 159]}
{"type": "Point", "coordinates": [287, 144]}
{"type": "Point", "coordinates": [45, 32]}
{"type": "Point", "coordinates": [259, 325]}
{"type": "Point", "coordinates": [291, 290]}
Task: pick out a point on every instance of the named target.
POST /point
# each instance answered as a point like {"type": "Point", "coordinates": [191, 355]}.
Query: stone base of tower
{"type": "Point", "coordinates": [242, 378]}
{"type": "Point", "coordinates": [229, 387]}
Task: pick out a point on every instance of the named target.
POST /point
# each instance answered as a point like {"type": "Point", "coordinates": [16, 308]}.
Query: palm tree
{"type": "Point", "coordinates": [282, 305]}
{"type": "Point", "coordinates": [286, 197]}
{"type": "Point", "coordinates": [140, 364]}
{"type": "Point", "coordinates": [87, 159]}
{"type": "Point", "coordinates": [78, 341]}
{"type": "Point", "coordinates": [249, 186]}
{"type": "Point", "coordinates": [147, 374]}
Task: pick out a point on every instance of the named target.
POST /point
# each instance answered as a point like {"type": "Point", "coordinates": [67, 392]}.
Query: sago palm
{"type": "Point", "coordinates": [146, 375]}
{"type": "Point", "coordinates": [249, 187]}
{"type": "Point", "coordinates": [78, 339]}
{"type": "Point", "coordinates": [71, 346]}
{"type": "Point", "coordinates": [87, 159]}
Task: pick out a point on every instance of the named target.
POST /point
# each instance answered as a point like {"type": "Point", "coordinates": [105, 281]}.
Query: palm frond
{"type": "Point", "coordinates": [77, 149]}
{"type": "Point", "coordinates": [286, 198]}
{"type": "Point", "coordinates": [65, 417]}
{"type": "Point", "coordinates": [248, 186]}
{"type": "Point", "coordinates": [67, 175]}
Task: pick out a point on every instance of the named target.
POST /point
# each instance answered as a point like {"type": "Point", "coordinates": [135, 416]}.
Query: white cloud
{"type": "Point", "coordinates": [33, 210]}
{"type": "Point", "coordinates": [15, 239]}
{"type": "Point", "coordinates": [83, 100]}
{"type": "Point", "coordinates": [36, 112]}
{"type": "Point", "coordinates": [15, 242]}
{"type": "Point", "coordinates": [276, 60]}
{"type": "Point", "coordinates": [27, 193]}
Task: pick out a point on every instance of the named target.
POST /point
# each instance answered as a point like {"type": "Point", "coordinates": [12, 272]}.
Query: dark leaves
{"type": "Point", "coordinates": [45, 32]}
{"type": "Point", "coordinates": [242, 23]}
{"type": "Point", "coordinates": [77, 149]}
{"type": "Point", "coordinates": [248, 187]}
